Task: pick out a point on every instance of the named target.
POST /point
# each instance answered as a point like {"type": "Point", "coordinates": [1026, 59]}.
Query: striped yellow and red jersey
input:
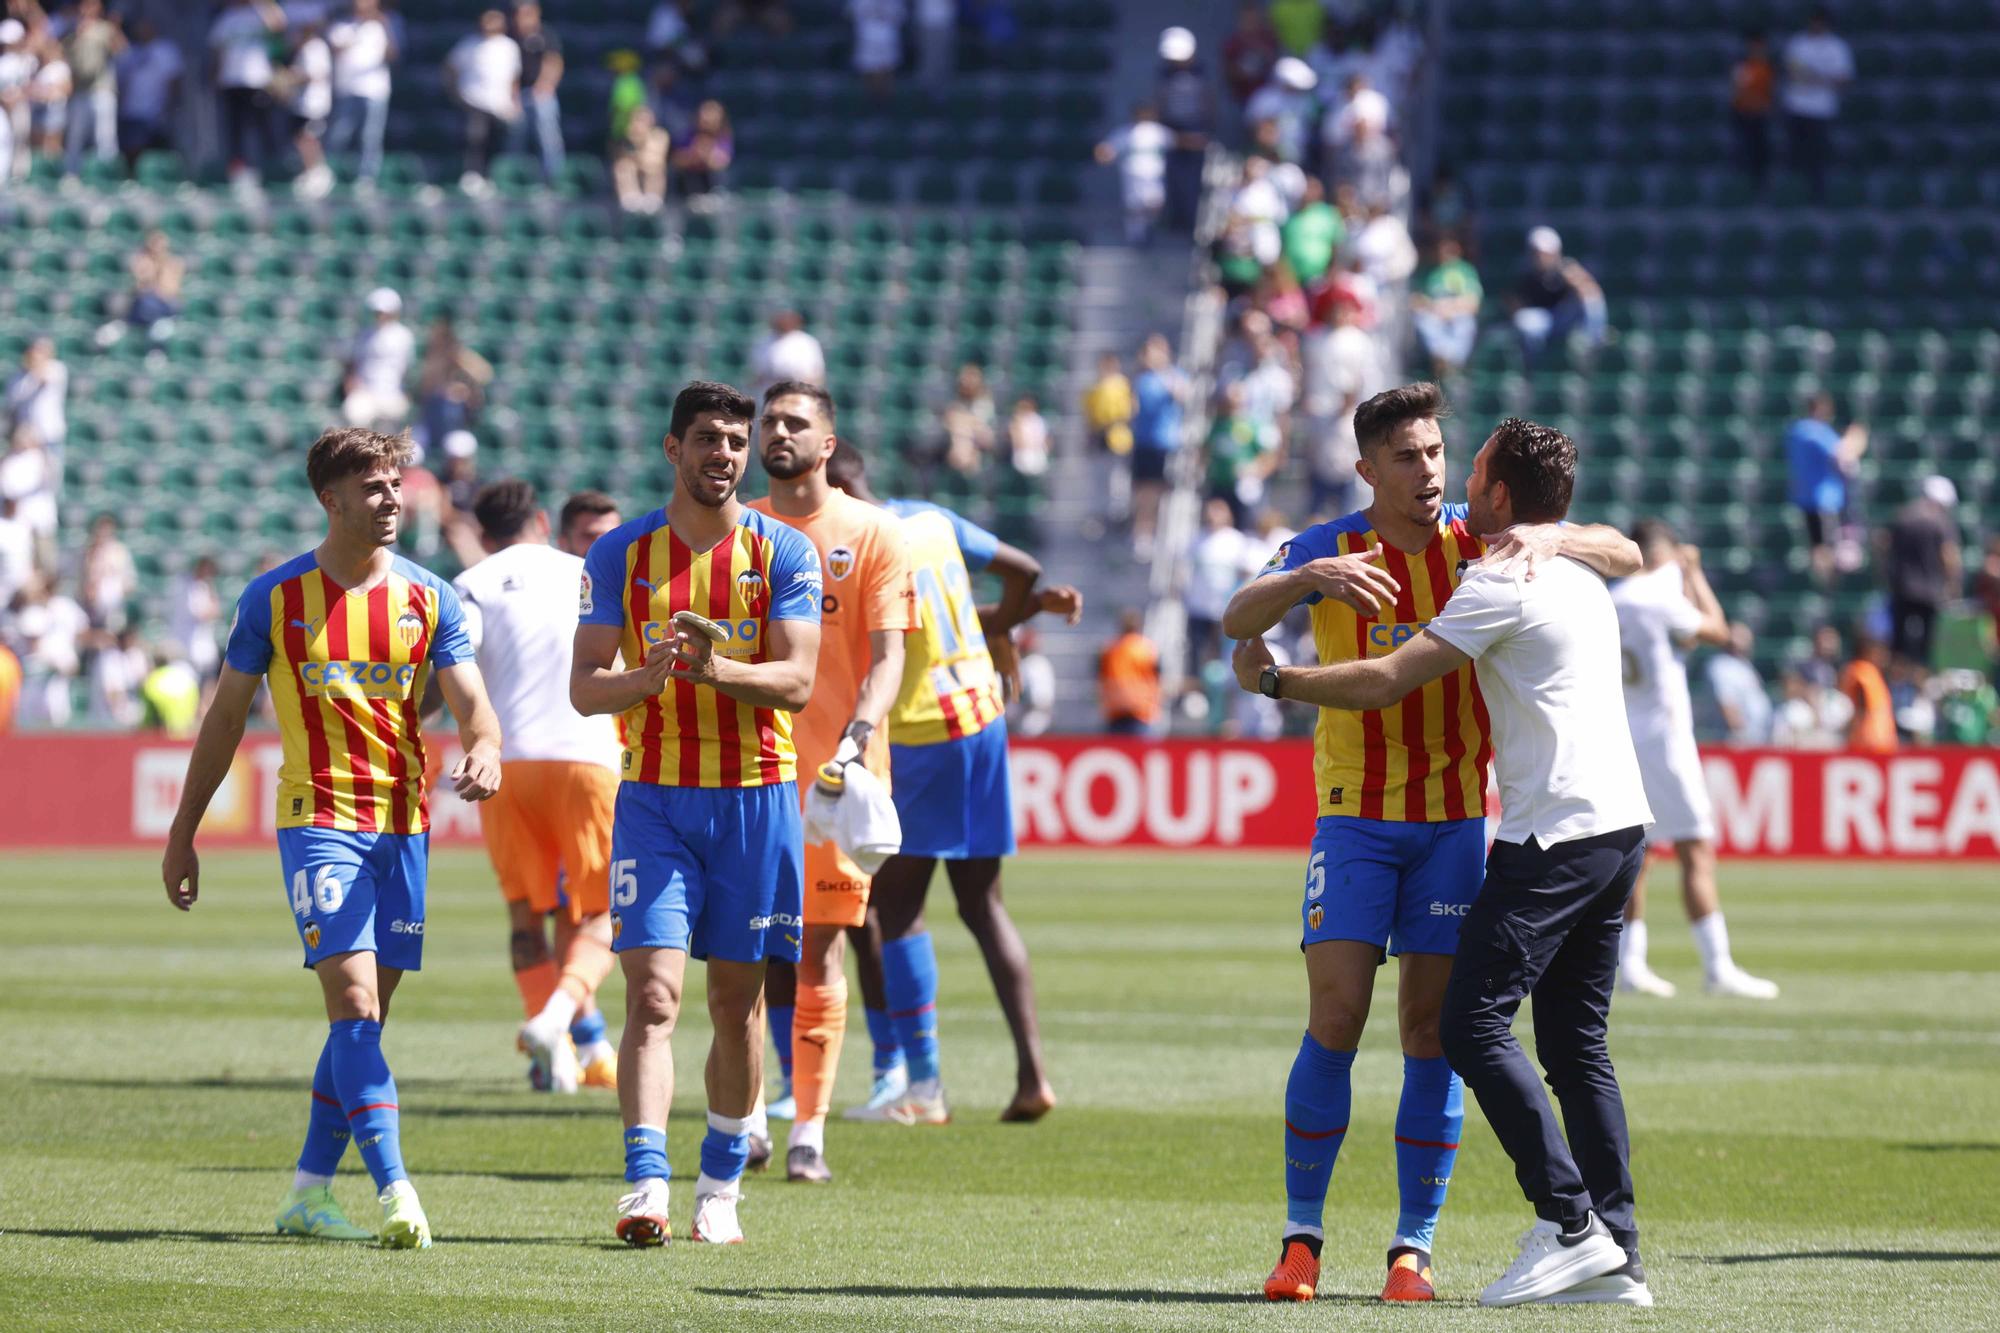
{"type": "Point", "coordinates": [637, 576]}
{"type": "Point", "coordinates": [1424, 759]}
{"type": "Point", "coordinates": [347, 671]}
{"type": "Point", "coordinates": [950, 689]}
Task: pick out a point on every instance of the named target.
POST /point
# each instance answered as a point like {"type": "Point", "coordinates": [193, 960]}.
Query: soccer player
{"type": "Point", "coordinates": [869, 605]}
{"type": "Point", "coordinates": [1661, 612]}
{"type": "Point", "coordinates": [1396, 858]}
{"type": "Point", "coordinates": [548, 830]}
{"type": "Point", "coordinates": [948, 759]}
{"type": "Point", "coordinates": [717, 608]}
{"type": "Point", "coordinates": [348, 635]}
{"type": "Point", "coordinates": [1570, 841]}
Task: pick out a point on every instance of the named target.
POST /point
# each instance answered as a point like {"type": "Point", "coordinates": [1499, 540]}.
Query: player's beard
{"type": "Point", "coordinates": [788, 466]}
{"type": "Point", "coordinates": [696, 482]}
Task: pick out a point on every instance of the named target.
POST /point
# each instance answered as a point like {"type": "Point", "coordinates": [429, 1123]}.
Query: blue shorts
{"type": "Point", "coordinates": [716, 871]}
{"type": "Point", "coordinates": [1401, 887]}
{"type": "Point", "coordinates": [357, 891]}
{"type": "Point", "coordinates": [953, 798]}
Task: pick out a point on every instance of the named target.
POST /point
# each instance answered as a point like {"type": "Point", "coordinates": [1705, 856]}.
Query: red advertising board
{"type": "Point", "coordinates": [120, 791]}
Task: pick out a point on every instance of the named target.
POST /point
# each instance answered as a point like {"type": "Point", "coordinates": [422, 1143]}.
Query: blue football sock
{"type": "Point", "coordinates": [882, 1033]}
{"type": "Point", "coordinates": [781, 1036]}
{"type": "Point", "coordinates": [368, 1095]}
{"type": "Point", "coordinates": [1317, 1099]}
{"type": "Point", "coordinates": [725, 1149]}
{"type": "Point", "coordinates": [1428, 1122]}
{"type": "Point", "coordinates": [909, 978]}
{"type": "Point", "coordinates": [588, 1029]}
{"type": "Point", "coordinates": [646, 1153]}
{"type": "Point", "coordinates": [326, 1127]}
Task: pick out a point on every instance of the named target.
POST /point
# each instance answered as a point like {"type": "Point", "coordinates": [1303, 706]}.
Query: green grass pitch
{"type": "Point", "coordinates": [1827, 1161]}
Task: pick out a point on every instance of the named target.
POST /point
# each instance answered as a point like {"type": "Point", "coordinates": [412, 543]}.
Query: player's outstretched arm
{"type": "Point", "coordinates": [783, 680]}
{"type": "Point", "coordinates": [214, 751]}
{"type": "Point", "coordinates": [879, 687]}
{"type": "Point", "coordinates": [1019, 572]}
{"type": "Point", "coordinates": [1714, 627]}
{"type": "Point", "coordinates": [1359, 580]}
{"type": "Point", "coordinates": [1374, 682]}
{"type": "Point", "coordinates": [1518, 550]}
{"type": "Point", "coordinates": [477, 775]}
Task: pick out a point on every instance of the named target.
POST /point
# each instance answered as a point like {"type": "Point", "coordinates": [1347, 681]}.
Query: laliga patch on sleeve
{"type": "Point", "coordinates": [583, 600]}
{"type": "Point", "coordinates": [1277, 559]}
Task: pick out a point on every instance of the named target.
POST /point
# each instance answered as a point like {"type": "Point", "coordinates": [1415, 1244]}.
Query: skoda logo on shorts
{"type": "Point", "coordinates": [1314, 916]}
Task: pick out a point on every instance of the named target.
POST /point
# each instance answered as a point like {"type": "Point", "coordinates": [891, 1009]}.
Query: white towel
{"type": "Point", "coordinates": [861, 820]}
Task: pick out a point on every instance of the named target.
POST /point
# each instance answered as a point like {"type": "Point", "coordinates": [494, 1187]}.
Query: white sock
{"type": "Point", "coordinates": [1711, 941]}
{"type": "Point", "coordinates": [396, 1189]}
{"type": "Point", "coordinates": [925, 1089]}
{"type": "Point", "coordinates": [705, 1184]}
{"type": "Point", "coordinates": [1632, 947]}
{"type": "Point", "coordinates": [306, 1180]}
{"type": "Point", "coordinates": [731, 1125]}
{"type": "Point", "coordinates": [809, 1134]}
{"type": "Point", "coordinates": [558, 1013]}
{"type": "Point", "coordinates": [597, 1050]}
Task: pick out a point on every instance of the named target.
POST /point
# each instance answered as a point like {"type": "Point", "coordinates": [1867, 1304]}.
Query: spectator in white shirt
{"type": "Point", "coordinates": [17, 70]}
{"type": "Point", "coordinates": [361, 54]}
{"type": "Point", "coordinates": [378, 366]}
{"type": "Point", "coordinates": [1343, 366]}
{"type": "Point", "coordinates": [117, 669]}
{"type": "Point", "coordinates": [1140, 150]}
{"type": "Point", "coordinates": [1739, 691]}
{"type": "Point", "coordinates": [1219, 559]}
{"type": "Point", "coordinates": [1360, 103]}
{"type": "Point", "coordinates": [149, 85]}
{"type": "Point", "coordinates": [38, 396]}
{"type": "Point", "coordinates": [28, 479]}
{"type": "Point", "coordinates": [91, 45]}
{"type": "Point", "coordinates": [17, 552]}
{"type": "Point", "coordinates": [483, 74]}
{"type": "Point", "coordinates": [1817, 66]}
{"type": "Point", "coordinates": [788, 352]}
{"type": "Point", "coordinates": [108, 576]}
{"type": "Point", "coordinates": [878, 40]}
{"type": "Point", "coordinates": [49, 627]}
{"type": "Point", "coordinates": [194, 617]}
{"type": "Point", "coordinates": [1287, 101]}
{"type": "Point", "coordinates": [310, 77]}
{"type": "Point", "coordinates": [239, 44]}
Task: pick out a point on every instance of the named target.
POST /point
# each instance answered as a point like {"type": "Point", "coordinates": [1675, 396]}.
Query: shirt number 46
{"type": "Point", "coordinates": [324, 892]}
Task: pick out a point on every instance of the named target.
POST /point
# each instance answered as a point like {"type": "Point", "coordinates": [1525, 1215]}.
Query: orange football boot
{"type": "Point", "coordinates": [1409, 1277]}
{"type": "Point", "coordinates": [1296, 1277]}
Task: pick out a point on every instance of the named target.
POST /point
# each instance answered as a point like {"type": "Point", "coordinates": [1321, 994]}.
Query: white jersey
{"type": "Point", "coordinates": [1655, 620]}
{"type": "Point", "coordinates": [520, 610]}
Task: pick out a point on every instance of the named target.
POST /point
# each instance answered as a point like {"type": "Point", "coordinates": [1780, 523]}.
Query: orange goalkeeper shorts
{"type": "Point", "coordinates": [549, 825]}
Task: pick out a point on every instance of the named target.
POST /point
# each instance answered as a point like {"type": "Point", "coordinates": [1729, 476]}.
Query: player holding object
{"type": "Point", "coordinates": [868, 607]}
{"type": "Point", "coordinates": [1396, 858]}
{"type": "Point", "coordinates": [548, 830]}
{"type": "Point", "coordinates": [948, 756]}
{"type": "Point", "coordinates": [348, 634]}
{"type": "Point", "coordinates": [1570, 841]}
{"type": "Point", "coordinates": [1660, 612]}
{"type": "Point", "coordinates": [706, 840]}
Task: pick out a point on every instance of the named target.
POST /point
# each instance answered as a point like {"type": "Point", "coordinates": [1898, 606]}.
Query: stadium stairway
{"type": "Point", "coordinates": [1608, 120]}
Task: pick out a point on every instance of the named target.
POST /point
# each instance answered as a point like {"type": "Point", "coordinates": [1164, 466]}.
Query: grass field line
{"type": "Point", "coordinates": [1695, 1029]}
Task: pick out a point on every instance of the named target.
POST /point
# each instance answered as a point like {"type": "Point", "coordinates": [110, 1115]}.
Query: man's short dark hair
{"type": "Point", "coordinates": [1538, 464]}
{"type": "Point", "coordinates": [585, 504]}
{"type": "Point", "coordinates": [1377, 419]}
{"type": "Point", "coordinates": [805, 389]}
{"type": "Point", "coordinates": [847, 469]}
{"type": "Point", "coordinates": [711, 397]}
{"type": "Point", "coordinates": [349, 451]}
{"type": "Point", "coordinates": [504, 508]}
{"type": "Point", "coordinates": [1648, 533]}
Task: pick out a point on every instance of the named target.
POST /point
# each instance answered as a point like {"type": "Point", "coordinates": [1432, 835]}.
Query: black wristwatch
{"type": "Point", "coordinates": [1267, 683]}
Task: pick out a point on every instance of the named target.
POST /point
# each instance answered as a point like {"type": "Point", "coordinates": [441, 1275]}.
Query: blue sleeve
{"type": "Point", "coordinates": [1454, 513]}
{"type": "Point", "coordinates": [975, 543]}
{"type": "Point", "coordinates": [249, 649]}
{"type": "Point", "coordinates": [1300, 550]}
{"type": "Point", "coordinates": [795, 577]}
{"type": "Point", "coordinates": [599, 600]}
{"type": "Point", "coordinates": [450, 645]}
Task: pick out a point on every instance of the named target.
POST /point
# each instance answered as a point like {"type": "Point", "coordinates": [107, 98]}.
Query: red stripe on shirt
{"type": "Point", "coordinates": [1454, 724]}
{"type": "Point", "coordinates": [687, 714]}
{"type": "Point", "coordinates": [385, 719]}
{"type": "Point", "coordinates": [1417, 755]}
{"type": "Point", "coordinates": [359, 765]}
{"type": "Point", "coordinates": [1374, 750]}
{"type": "Point", "coordinates": [319, 760]}
{"type": "Point", "coordinates": [728, 728]}
{"type": "Point", "coordinates": [764, 719]}
{"type": "Point", "coordinates": [413, 725]}
{"type": "Point", "coordinates": [639, 610]}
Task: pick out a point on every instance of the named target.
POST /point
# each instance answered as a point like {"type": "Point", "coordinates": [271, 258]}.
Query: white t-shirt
{"type": "Point", "coordinates": [1141, 148]}
{"type": "Point", "coordinates": [42, 401]}
{"type": "Point", "coordinates": [1291, 109]}
{"type": "Point", "coordinates": [1216, 569]}
{"type": "Point", "coordinates": [146, 77]}
{"type": "Point", "coordinates": [1546, 651]}
{"type": "Point", "coordinates": [1368, 105]}
{"type": "Point", "coordinates": [1815, 66]}
{"type": "Point", "coordinates": [520, 611]}
{"type": "Point", "coordinates": [382, 357]}
{"type": "Point", "coordinates": [489, 73]}
{"type": "Point", "coordinates": [17, 558]}
{"type": "Point", "coordinates": [789, 356]}
{"type": "Point", "coordinates": [314, 99]}
{"type": "Point", "coordinates": [195, 614]}
{"type": "Point", "coordinates": [1655, 619]}
{"type": "Point", "coordinates": [360, 58]}
{"type": "Point", "coordinates": [242, 43]}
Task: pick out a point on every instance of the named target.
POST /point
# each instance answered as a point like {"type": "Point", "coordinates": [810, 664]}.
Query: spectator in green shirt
{"type": "Point", "coordinates": [1241, 454]}
{"type": "Point", "coordinates": [1445, 309]}
{"type": "Point", "coordinates": [1313, 235]}
{"type": "Point", "coordinates": [1298, 24]}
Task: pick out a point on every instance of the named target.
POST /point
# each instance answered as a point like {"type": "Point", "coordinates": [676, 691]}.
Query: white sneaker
{"type": "Point", "coordinates": [642, 1214]}
{"type": "Point", "coordinates": [1549, 1263]}
{"type": "Point", "coordinates": [1627, 1286]}
{"type": "Point", "coordinates": [888, 1090]}
{"type": "Point", "coordinates": [554, 1055]}
{"type": "Point", "coordinates": [923, 1104]}
{"type": "Point", "coordinates": [1734, 982]}
{"type": "Point", "coordinates": [715, 1217]}
{"type": "Point", "coordinates": [1645, 981]}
